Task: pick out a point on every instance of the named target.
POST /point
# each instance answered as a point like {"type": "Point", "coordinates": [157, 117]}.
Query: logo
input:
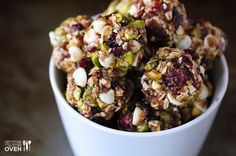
{"type": "Point", "coordinates": [17, 145]}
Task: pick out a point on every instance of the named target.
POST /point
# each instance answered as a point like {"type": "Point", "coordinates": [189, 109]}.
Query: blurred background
{"type": "Point", "coordinates": [27, 106]}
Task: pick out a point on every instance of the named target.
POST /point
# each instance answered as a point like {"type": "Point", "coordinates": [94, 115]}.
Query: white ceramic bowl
{"type": "Point", "coordinates": [88, 138]}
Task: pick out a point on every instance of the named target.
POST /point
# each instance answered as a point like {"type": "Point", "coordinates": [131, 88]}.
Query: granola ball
{"type": "Point", "coordinates": [116, 41]}
{"type": "Point", "coordinates": [207, 40]}
{"type": "Point", "coordinates": [67, 42]}
{"type": "Point", "coordinates": [140, 117]}
{"type": "Point", "coordinates": [171, 78]}
{"type": "Point", "coordinates": [98, 93]}
{"type": "Point", "coordinates": [162, 18]}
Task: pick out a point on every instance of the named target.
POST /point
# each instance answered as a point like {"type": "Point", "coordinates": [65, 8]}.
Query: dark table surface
{"type": "Point", "coordinates": [27, 106]}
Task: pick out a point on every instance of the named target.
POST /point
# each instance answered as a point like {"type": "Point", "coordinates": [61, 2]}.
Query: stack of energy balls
{"type": "Point", "coordinates": [141, 64]}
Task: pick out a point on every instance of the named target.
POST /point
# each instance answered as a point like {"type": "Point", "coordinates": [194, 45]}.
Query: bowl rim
{"type": "Point", "coordinates": [62, 101]}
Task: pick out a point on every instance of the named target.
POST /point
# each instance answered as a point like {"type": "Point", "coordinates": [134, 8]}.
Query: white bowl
{"type": "Point", "coordinates": [88, 138]}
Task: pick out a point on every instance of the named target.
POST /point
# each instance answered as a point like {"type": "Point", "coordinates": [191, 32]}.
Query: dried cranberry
{"type": "Point", "coordinates": [204, 33]}
{"type": "Point", "coordinates": [85, 63]}
{"type": "Point", "coordinates": [117, 51]}
{"type": "Point", "coordinates": [125, 121]}
{"type": "Point", "coordinates": [177, 18]}
{"type": "Point", "coordinates": [175, 78]}
{"type": "Point", "coordinates": [76, 27]}
{"type": "Point", "coordinates": [65, 56]}
{"type": "Point", "coordinates": [91, 49]}
{"type": "Point", "coordinates": [141, 40]}
{"type": "Point", "coordinates": [64, 45]}
{"type": "Point", "coordinates": [193, 54]}
{"type": "Point", "coordinates": [187, 62]}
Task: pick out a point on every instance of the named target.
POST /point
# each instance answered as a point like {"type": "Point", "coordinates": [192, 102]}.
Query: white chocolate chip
{"type": "Point", "coordinates": [138, 116]}
{"type": "Point", "coordinates": [90, 36]}
{"type": "Point", "coordinates": [80, 77]}
{"type": "Point", "coordinates": [199, 106]}
{"type": "Point", "coordinates": [133, 10]}
{"type": "Point", "coordinates": [146, 2]}
{"type": "Point", "coordinates": [185, 43]}
{"type": "Point", "coordinates": [210, 42]}
{"type": "Point", "coordinates": [76, 53]}
{"type": "Point", "coordinates": [108, 97]}
{"type": "Point", "coordinates": [53, 39]}
{"type": "Point", "coordinates": [135, 46]}
{"type": "Point", "coordinates": [107, 61]}
{"type": "Point", "coordinates": [204, 93]}
{"type": "Point", "coordinates": [173, 100]}
{"type": "Point", "coordinates": [98, 25]}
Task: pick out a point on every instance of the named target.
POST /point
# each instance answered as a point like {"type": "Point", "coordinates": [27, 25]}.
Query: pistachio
{"type": "Point", "coordinates": [119, 17]}
{"type": "Point", "coordinates": [87, 96]}
{"type": "Point", "coordinates": [80, 77]}
{"type": "Point", "coordinates": [154, 75]}
{"type": "Point", "coordinates": [95, 59]}
{"type": "Point", "coordinates": [131, 33]}
{"type": "Point", "coordinates": [137, 24]}
{"type": "Point", "coordinates": [138, 116]}
{"type": "Point", "coordinates": [143, 127]}
{"type": "Point", "coordinates": [129, 57]}
{"type": "Point", "coordinates": [155, 85]}
{"type": "Point", "coordinates": [108, 97]}
{"type": "Point", "coordinates": [77, 93]}
{"type": "Point", "coordinates": [150, 65]}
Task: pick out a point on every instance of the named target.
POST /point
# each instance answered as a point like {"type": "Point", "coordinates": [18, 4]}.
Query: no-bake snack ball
{"type": "Point", "coordinates": [116, 41]}
{"type": "Point", "coordinates": [171, 78]}
{"type": "Point", "coordinates": [98, 93]}
{"type": "Point", "coordinates": [67, 42]}
{"type": "Point", "coordinates": [162, 18]}
{"type": "Point", "coordinates": [207, 40]}
{"type": "Point", "coordinates": [140, 117]}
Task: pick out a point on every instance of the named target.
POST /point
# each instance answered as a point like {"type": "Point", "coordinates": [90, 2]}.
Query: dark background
{"type": "Point", "coordinates": [27, 106]}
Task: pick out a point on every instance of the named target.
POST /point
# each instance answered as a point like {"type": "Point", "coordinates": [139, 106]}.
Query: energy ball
{"type": "Point", "coordinates": [162, 18]}
{"type": "Point", "coordinates": [140, 117]}
{"type": "Point", "coordinates": [116, 41]}
{"type": "Point", "coordinates": [67, 42]}
{"type": "Point", "coordinates": [207, 40]}
{"type": "Point", "coordinates": [99, 93]}
{"type": "Point", "coordinates": [171, 77]}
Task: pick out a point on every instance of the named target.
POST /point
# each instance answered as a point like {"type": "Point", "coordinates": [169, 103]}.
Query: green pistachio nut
{"type": "Point", "coordinates": [77, 93]}
{"type": "Point", "coordinates": [95, 59]}
{"type": "Point", "coordinates": [137, 24]}
{"type": "Point", "coordinates": [143, 127]}
{"type": "Point", "coordinates": [129, 57]}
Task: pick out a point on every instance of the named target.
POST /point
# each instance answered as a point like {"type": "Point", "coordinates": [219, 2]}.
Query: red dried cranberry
{"type": "Point", "coordinates": [117, 51]}
{"type": "Point", "coordinates": [90, 49]}
{"type": "Point", "coordinates": [193, 54]}
{"type": "Point", "coordinates": [141, 40]}
{"type": "Point", "coordinates": [187, 62]}
{"type": "Point", "coordinates": [125, 121]}
{"type": "Point", "coordinates": [64, 45]}
{"type": "Point", "coordinates": [204, 33]}
{"type": "Point", "coordinates": [177, 18]}
{"type": "Point", "coordinates": [175, 78]}
{"type": "Point", "coordinates": [76, 27]}
{"type": "Point", "coordinates": [65, 56]}
{"type": "Point", "coordinates": [85, 63]}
